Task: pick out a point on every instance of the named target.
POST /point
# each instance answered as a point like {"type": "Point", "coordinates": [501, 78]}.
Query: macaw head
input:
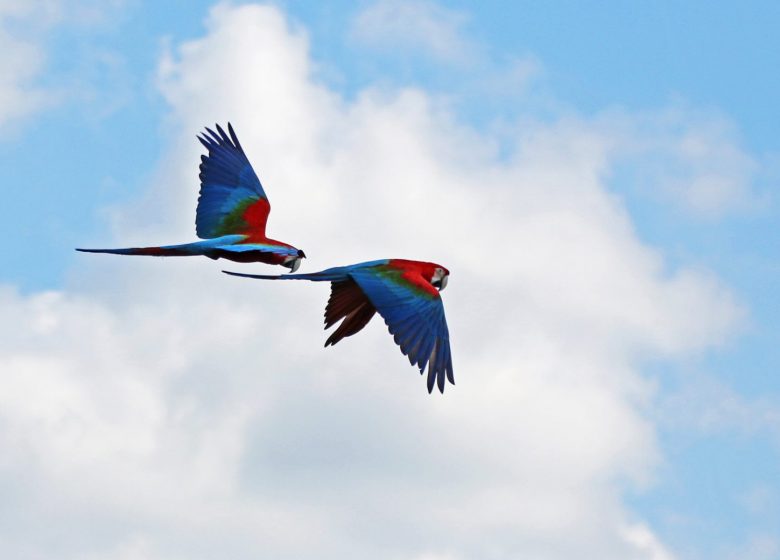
{"type": "Point", "coordinates": [294, 261]}
{"type": "Point", "coordinates": [439, 278]}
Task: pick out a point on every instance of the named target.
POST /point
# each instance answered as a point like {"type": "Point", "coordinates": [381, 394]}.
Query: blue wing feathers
{"type": "Point", "coordinates": [228, 182]}
{"type": "Point", "coordinates": [432, 365]}
{"type": "Point", "coordinates": [416, 322]}
{"type": "Point", "coordinates": [414, 340]}
{"type": "Point", "coordinates": [418, 337]}
{"type": "Point", "coordinates": [234, 137]}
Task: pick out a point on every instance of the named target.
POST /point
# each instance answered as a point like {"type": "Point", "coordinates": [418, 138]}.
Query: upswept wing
{"type": "Point", "coordinates": [232, 200]}
{"type": "Point", "coordinates": [414, 314]}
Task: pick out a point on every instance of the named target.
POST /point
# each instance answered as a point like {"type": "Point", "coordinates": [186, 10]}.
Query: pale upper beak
{"type": "Point", "coordinates": [294, 262]}
{"type": "Point", "coordinates": [440, 281]}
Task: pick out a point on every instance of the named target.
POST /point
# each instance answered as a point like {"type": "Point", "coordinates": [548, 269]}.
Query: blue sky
{"type": "Point", "coordinates": [700, 70]}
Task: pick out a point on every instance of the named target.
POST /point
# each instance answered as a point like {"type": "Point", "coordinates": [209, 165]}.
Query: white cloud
{"type": "Point", "coordinates": [644, 539]}
{"type": "Point", "coordinates": [414, 25]}
{"type": "Point", "coordinates": [158, 409]}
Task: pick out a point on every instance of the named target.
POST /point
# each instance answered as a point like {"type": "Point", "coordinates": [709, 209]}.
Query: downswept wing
{"type": "Point", "coordinates": [232, 200]}
{"type": "Point", "coordinates": [414, 314]}
{"type": "Point", "coordinates": [347, 301]}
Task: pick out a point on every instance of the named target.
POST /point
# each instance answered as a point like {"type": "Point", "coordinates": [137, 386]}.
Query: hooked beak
{"type": "Point", "coordinates": [440, 283]}
{"type": "Point", "coordinates": [293, 262]}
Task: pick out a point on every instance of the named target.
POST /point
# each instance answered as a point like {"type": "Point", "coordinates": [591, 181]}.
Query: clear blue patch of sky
{"type": "Point", "coordinates": [701, 501]}
{"type": "Point", "coordinates": [639, 54]}
{"type": "Point", "coordinates": [597, 54]}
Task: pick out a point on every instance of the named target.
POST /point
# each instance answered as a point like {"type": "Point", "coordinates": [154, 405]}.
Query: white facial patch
{"type": "Point", "coordinates": [440, 278]}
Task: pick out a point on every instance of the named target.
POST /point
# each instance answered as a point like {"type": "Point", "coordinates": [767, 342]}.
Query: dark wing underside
{"type": "Point", "coordinates": [347, 301]}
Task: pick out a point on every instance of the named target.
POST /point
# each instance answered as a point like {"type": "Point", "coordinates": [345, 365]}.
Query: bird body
{"type": "Point", "coordinates": [232, 211]}
{"type": "Point", "coordinates": [405, 293]}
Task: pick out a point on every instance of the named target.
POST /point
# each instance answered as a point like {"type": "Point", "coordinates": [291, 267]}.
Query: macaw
{"type": "Point", "coordinates": [232, 211]}
{"type": "Point", "coordinates": [406, 295]}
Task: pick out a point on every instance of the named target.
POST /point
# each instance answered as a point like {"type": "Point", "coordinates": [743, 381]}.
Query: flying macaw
{"type": "Point", "coordinates": [406, 295]}
{"type": "Point", "coordinates": [232, 211]}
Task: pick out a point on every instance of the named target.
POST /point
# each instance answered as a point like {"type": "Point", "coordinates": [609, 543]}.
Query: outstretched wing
{"type": "Point", "coordinates": [232, 200]}
{"type": "Point", "coordinates": [414, 314]}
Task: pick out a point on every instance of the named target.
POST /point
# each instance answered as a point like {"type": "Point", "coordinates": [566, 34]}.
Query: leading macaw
{"type": "Point", "coordinates": [232, 211]}
{"type": "Point", "coordinates": [406, 295]}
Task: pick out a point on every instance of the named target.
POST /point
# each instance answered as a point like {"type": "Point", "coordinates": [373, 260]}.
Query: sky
{"type": "Point", "coordinates": [599, 178]}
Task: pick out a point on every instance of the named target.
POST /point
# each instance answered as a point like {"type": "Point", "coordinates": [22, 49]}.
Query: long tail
{"type": "Point", "coordinates": [330, 275]}
{"type": "Point", "coordinates": [185, 250]}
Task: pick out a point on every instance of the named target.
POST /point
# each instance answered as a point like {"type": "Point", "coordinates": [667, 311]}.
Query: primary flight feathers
{"type": "Point", "coordinates": [232, 199]}
{"type": "Point", "coordinates": [232, 211]}
{"type": "Point", "coordinates": [406, 295]}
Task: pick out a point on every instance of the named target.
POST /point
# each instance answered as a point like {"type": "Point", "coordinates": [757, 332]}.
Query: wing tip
{"type": "Point", "coordinates": [234, 136]}
{"type": "Point", "coordinates": [439, 371]}
{"type": "Point", "coordinates": [222, 134]}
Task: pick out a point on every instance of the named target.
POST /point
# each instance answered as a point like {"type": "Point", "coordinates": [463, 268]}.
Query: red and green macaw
{"type": "Point", "coordinates": [232, 211]}
{"type": "Point", "coordinates": [406, 295]}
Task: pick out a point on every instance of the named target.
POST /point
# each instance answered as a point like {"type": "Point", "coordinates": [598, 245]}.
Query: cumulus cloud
{"type": "Point", "coordinates": [158, 409]}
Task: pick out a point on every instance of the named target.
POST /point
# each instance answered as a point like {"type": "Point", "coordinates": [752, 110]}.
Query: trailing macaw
{"type": "Point", "coordinates": [406, 295]}
{"type": "Point", "coordinates": [232, 211]}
